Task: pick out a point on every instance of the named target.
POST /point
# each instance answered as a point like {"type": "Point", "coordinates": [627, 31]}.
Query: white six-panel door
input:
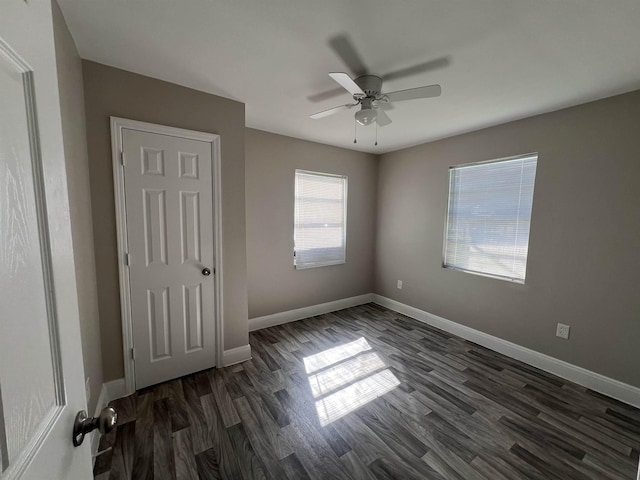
{"type": "Point", "coordinates": [169, 218]}
{"type": "Point", "coordinates": [41, 373]}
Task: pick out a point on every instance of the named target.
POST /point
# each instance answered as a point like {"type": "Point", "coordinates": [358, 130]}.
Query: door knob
{"type": "Point", "coordinates": [206, 272]}
{"type": "Point", "coordinates": [83, 424]}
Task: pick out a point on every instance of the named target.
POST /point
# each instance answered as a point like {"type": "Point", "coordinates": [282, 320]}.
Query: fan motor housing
{"type": "Point", "coordinates": [371, 85]}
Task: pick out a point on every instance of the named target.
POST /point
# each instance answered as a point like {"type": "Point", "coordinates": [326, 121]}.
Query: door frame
{"type": "Point", "coordinates": [117, 126]}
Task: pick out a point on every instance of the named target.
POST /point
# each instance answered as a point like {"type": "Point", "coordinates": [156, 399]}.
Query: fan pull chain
{"type": "Point", "coordinates": [355, 131]}
{"type": "Point", "coordinates": [376, 144]}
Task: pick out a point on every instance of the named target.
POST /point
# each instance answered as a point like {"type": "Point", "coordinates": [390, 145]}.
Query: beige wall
{"type": "Point", "coordinates": [585, 235]}
{"type": "Point", "coordinates": [274, 284]}
{"type": "Point", "coordinates": [110, 91]}
{"type": "Point", "coordinates": [77, 166]}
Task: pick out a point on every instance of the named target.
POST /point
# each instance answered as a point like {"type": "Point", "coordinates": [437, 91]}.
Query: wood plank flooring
{"type": "Point", "coordinates": [366, 393]}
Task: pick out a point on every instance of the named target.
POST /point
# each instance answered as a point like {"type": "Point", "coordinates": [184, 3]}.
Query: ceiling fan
{"type": "Point", "coordinates": [366, 89]}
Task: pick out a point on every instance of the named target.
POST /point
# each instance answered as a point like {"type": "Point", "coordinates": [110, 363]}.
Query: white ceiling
{"type": "Point", "coordinates": [508, 59]}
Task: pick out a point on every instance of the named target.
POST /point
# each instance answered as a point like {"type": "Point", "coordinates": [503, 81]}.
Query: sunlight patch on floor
{"type": "Point", "coordinates": [346, 372]}
{"type": "Point", "coordinates": [335, 355]}
{"type": "Point", "coordinates": [350, 398]}
{"type": "Point", "coordinates": [355, 374]}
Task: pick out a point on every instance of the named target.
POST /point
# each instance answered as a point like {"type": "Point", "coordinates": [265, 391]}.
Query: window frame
{"type": "Point", "coordinates": [446, 219]}
{"type": "Point", "coordinates": [344, 221]}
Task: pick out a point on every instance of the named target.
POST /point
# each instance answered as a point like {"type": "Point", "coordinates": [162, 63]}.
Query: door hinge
{"type": "Point", "coordinates": [122, 158]}
{"type": "Point", "coordinates": [127, 259]}
{"type": "Point", "coordinates": [133, 354]}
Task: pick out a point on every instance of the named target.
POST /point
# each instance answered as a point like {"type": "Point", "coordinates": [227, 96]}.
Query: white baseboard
{"type": "Point", "coordinates": [306, 312]}
{"type": "Point", "coordinates": [109, 391]}
{"type": "Point", "coordinates": [595, 381]}
{"type": "Point", "coordinates": [236, 355]}
{"type": "Point", "coordinates": [115, 389]}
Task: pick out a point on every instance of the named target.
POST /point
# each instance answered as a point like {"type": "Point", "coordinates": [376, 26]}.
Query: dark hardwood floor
{"type": "Point", "coordinates": [366, 393]}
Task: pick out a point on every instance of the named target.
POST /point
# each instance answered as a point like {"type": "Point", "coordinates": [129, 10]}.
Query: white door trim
{"type": "Point", "coordinates": [117, 125]}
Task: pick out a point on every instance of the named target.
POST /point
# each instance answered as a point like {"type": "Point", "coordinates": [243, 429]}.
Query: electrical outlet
{"type": "Point", "coordinates": [563, 331]}
{"type": "Point", "coordinates": [87, 389]}
{"type": "Point", "coordinates": [399, 284]}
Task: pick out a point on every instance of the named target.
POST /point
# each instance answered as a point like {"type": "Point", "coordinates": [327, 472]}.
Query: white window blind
{"type": "Point", "coordinates": [320, 230]}
{"type": "Point", "coordinates": [489, 215]}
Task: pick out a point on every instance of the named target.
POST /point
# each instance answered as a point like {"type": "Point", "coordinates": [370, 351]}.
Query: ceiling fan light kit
{"type": "Point", "coordinates": [367, 113]}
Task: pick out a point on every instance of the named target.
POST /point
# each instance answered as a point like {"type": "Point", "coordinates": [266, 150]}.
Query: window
{"type": "Point", "coordinates": [320, 230]}
{"type": "Point", "coordinates": [488, 219]}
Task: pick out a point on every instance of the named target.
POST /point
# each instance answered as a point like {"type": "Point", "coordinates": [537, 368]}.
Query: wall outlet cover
{"type": "Point", "coordinates": [399, 284]}
{"type": "Point", "coordinates": [562, 331]}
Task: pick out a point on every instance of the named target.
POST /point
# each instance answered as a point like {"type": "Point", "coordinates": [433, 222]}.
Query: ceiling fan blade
{"type": "Point", "coordinates": [347, 83]}
{"type": "Point", "coordinates": [346, 51]}
{"type": "Point", "coordinates": [412, 93]}
{"type": "Point", "coordinates": [331, 111]}
{"type": "Point", "coordinates": [419, 68]}
{"type": "Point", "coordinates": [322, 96]}
{"type": "Point", "coordinates": [382, 118]}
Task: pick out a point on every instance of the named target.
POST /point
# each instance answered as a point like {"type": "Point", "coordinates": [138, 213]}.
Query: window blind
{"type": "Point", "coordinates": [320, 219]}
{"type": "Point", "coordinates": [489, 217]}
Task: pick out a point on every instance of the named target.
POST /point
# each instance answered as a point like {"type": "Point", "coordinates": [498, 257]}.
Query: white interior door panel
{"type": "Point", "coordinates": [168, 192]}
{"type": "Point", "coordinates": [41, 373]}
